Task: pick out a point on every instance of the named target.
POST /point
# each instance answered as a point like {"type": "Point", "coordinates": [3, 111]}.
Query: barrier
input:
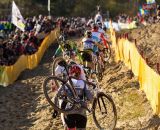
{"type": "Point", "coordinates": [8, 74]}
{"type": "Point", "coordinates": [149, 80]}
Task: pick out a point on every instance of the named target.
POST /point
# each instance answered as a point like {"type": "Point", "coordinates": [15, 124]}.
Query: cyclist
{"type": "Point", "coordinates": [98, 17]}
{"type": "Point", "coordinates": [102, 29]}
{"type": "Point", "coordinates": [69, 49]}
{"type": "Point", "coordinates": [77, 119]}
{"type": "Point", "coordinates": [101, 39]}
{"type": "Point", "coordinates": [89, 46]}
{"type": "Point", "coordinates": [60, 69]}
{"type": "Point", "coordinates": [98, 36]}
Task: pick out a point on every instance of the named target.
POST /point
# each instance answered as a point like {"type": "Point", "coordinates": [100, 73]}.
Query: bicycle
{"type": "Point", "coordinates": [98, 63]}
{"type": "Point", "coordinates": [102, 109]}
{"type": "Point", "coordinates": [107, 52]}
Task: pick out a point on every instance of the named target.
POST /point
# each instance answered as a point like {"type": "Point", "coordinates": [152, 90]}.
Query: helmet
{"type": "Point", "coordinates": [75, 70]}
{"type": "Point", "coordinates": [99, 24]}
{"type": "Point", "coordinates": [67, 47]}
{"type": "Point", "coordinates": [88, 34]}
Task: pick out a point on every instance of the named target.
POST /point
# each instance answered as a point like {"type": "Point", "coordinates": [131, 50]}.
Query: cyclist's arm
{"type": "Point", "coordinates": [75, 49]}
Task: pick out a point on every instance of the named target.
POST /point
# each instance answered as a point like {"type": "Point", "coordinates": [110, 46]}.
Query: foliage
{"type": "Point", "coordinates": [72, 7]}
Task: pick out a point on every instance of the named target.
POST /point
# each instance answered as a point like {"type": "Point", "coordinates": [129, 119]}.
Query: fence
{"type": "Point", "coordinates": [149, 80]}
{"type": "Point", "coordinates": [8, 74]}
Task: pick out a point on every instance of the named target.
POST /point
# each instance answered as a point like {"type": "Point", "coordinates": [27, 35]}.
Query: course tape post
{"type": "Point", "coordinates": [8, 74]}
{"type": "Point", "coordinates": [149, 80]}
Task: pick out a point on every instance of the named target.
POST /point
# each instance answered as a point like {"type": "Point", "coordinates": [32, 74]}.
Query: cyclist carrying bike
{"type": "Point", "coordinates": [77, 119]}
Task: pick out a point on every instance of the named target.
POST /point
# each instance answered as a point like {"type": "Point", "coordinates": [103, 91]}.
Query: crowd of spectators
{"type": "Point", "coordinates": [14, 42]}
{"type": "Point", "coordinates": [145, 19]}
{"type": "Point", "coordinates": [72, 26]}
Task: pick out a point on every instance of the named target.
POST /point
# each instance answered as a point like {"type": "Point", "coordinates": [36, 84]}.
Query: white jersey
{"type": "Point", "coordinates": [59, 70]}
{"type": "Point", "coordinates": [98, 17]}
{"type": "Point", "coordinates": [82, 92]}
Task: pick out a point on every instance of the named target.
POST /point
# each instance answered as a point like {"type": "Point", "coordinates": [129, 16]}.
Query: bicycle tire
{"type": "Point", "coordinates": [96, 103]}
{"type": "Point", "coordinates": [99, 71]}
{"type": "Point", "coordinates": [56, 60]}
{"type": "Point", "coordinates": [107, 53]}
{"type": "Point", "coordinates": [49, 98]}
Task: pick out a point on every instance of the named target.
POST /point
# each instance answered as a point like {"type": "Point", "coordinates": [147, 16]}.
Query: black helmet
{"type": "Point", "coordinates": [67, 47]}
{"type": "Point", "coordinates": [62, 63]}
{"type": "Point", "coordinates": [88, 34]}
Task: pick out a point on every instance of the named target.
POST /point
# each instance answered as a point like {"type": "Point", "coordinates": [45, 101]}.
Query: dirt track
{"type": "Point", "coordinates": [148, 43]}
{"type": "Point", "coordinates": [23, 105]}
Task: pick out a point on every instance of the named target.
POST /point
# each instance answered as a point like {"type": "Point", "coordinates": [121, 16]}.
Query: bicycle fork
{"type": "Point", "coordinates": [105, 111]}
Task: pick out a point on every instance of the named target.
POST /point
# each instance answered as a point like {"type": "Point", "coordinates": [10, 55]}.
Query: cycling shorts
{"type": "Point", "coordinates": [75, 120]}
{"type": "Point", "coordinates": [86, 56]}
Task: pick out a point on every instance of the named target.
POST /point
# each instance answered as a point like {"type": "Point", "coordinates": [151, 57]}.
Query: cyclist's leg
{"type": "Point", "coordinates": [70, 122]}
{"type": "Point", "coordinates": [81, 122]}
{"type": "Point", "coordinates": [63, 121]}
{"type": "Point", "coordinates": [87, 58]}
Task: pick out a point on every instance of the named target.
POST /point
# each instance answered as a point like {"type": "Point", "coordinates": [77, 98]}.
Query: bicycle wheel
{"type": "Point", "coordinates": [58, 96]}
{"type": "Point", "coordinates": [58, 61]}
{"type": "Point", "coordinates": [99, 71]}
{"type": "Point", "coordinates": [107, 53]}
{"type": "Point", "coordinates": [104, 112]}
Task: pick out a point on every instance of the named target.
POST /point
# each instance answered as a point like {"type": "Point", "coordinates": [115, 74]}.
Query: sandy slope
{"type": "Point", "coordinates": [23, 105]}
{"type": "Point", "coordinates": [148, 41]}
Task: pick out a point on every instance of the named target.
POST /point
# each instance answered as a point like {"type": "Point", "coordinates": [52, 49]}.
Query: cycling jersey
{"type": "Point", "coordinates": [88, 43]}
{"type": "Point", "coordinates": [101, 30]}
{"type": "Point", "coordinates": [99, 37]}
{"type": "Point", "coordinates": [61, 70]}
{"type": "Point", "coordinates": [83, 93]}
{"type": "Point", "coordinates": [73, 49]}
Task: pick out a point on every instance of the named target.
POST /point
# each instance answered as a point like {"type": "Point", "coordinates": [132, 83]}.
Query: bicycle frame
{"type": "Point", "coordinates": [75, 100]}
